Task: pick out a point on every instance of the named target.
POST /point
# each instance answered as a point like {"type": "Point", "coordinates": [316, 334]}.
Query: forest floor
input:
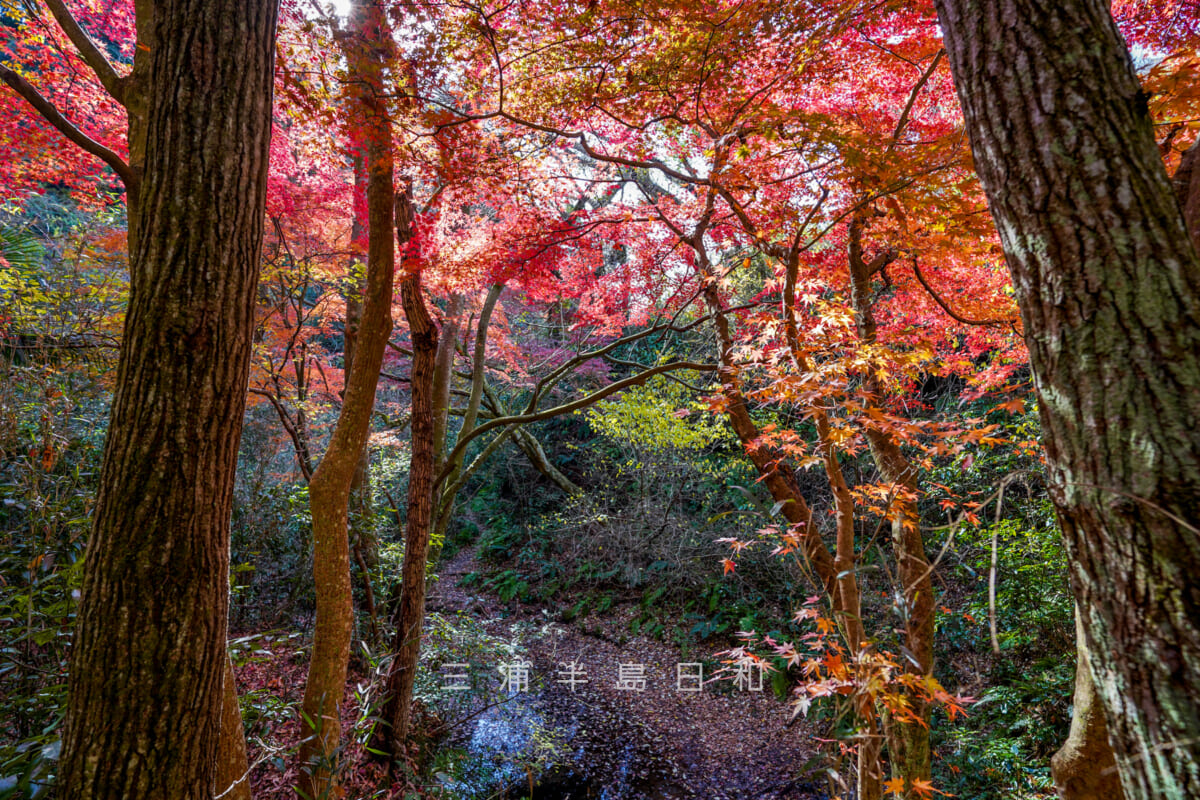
{"type": "Point", "coordinates": [656, 743]}
{"type": "Point", "coordinates": [620, 744]}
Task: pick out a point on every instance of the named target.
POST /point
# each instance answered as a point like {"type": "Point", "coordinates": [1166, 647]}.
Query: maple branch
{"type": "Point", "coordinates": [55, 118]}
{"type": "Point", "coordinates": [950, 311]}
{"type": "Point", "coordinates": [561, 370]}
{"type": "Point", "coordinates": [529, 443]}
{"type": "Point", "coordinates": [91, 55]}
{"type": "Point", "coordinates": [579, 136]}
{"type": "Point", "coordinates": [912, 98]}
{"type": "Point", "coordinates": [567, 408]}
{"type": "Point", "coordinates": [880, 262]}
{"type": "Point", "coordinates": [302, 457]}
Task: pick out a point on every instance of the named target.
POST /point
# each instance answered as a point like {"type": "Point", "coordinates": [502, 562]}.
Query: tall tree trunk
{"type": "Point", "coordinates": [149, 658]}
{"type": "Point", "coordinates": [1109, 287]}
{"type": "Point", "coordinates": [390, 735]}
{"type": "Point", "coordinates": [329, 490]}
{"type": "Point", "coordinates": [908, 742]}
{"type": "Point", "coordinates": [363, 544]}
{"type": "Point", "coordinates": [443, 381]}
{"type": "Point", "coordinates": [443, 374]}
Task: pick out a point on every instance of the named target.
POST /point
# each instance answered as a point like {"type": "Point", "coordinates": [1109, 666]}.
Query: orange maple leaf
{"type": "Point", "coordinates": [925, 788]}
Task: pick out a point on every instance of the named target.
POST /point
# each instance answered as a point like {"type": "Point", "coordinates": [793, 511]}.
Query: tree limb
{"type": "Point", "coordinates": [55, 118]}
{"type": "Point", "coordinates": [88, 51]}
{"type": "Point", "coordinates": [567, 408]}
{"type": "Point", "coordinates": [946, 307]}
{"type": "Point", "coordinates": [302, 456]}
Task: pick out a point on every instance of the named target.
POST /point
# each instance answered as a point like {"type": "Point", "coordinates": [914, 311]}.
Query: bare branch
{"type": "Point", "coordinates": [302, 456]}
{"type": "Point", "coordinates": [912, 98]}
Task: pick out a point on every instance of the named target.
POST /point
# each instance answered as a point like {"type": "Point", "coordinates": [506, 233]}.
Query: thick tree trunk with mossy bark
{"type": "Point", "coordinates": [149, 656]}
{"type": "Point", "coordinates": [1109, 287]}
{"type": "Point", "coordinates": [1084, 768]}
{"type": "Point", "coordinates": [329, 490]}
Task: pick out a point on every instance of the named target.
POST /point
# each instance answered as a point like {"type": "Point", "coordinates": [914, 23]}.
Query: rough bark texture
{"type": "Point", "coordinates": [364, 546]}
{"type": "Point", "coordinates": [392, 732]}
{"type": "Point", "coordinates": [1084, 767]}
{"type": "Point", "coordinates": [147, 666]}
{"type": "Point", "coordinates": [1109, 287]}
{"type": "Point", "coordinates": [363, 542]}
{"type": "Point", "coordinates": [1187, 190]}
{"type": "Point", "coordinates": [443, 374]}
{"type": "Point", "coordinates": [443, 382]}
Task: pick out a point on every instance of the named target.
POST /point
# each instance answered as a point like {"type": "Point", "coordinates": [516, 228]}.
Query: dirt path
{"type": "Point", "coordinates": [655, 743]}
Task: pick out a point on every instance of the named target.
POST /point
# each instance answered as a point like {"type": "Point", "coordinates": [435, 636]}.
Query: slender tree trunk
{"type": "Point", "coordinates": [908, 742]}
{"type": "Point", "coordinates": [391, 734]}
{"type": "Point", "coordinates": [1109, 287]}
{"type": "Point", "coordinates": [146, 676]}
{"type": "Point", "coordinates": [835, 571]}
{"type": "Point", "coordinates": [776, 476]}
{"type": "Point", "coordinates": [360, 489]}
{"type": "Point", "coordinates": [443, 375]}
{"type": "Point", "coordinates": [362, 535]}
{"type": "Point", "coordinates": [443, 380]}
{"type": "Point", "coordinates": [869, 770]}
{"type": "Point", "coordinates": [329, 490]}
{"type": "Point", "coordinates": [448, 491]}
{"type": "Point", "coordinates": [363, 544]}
